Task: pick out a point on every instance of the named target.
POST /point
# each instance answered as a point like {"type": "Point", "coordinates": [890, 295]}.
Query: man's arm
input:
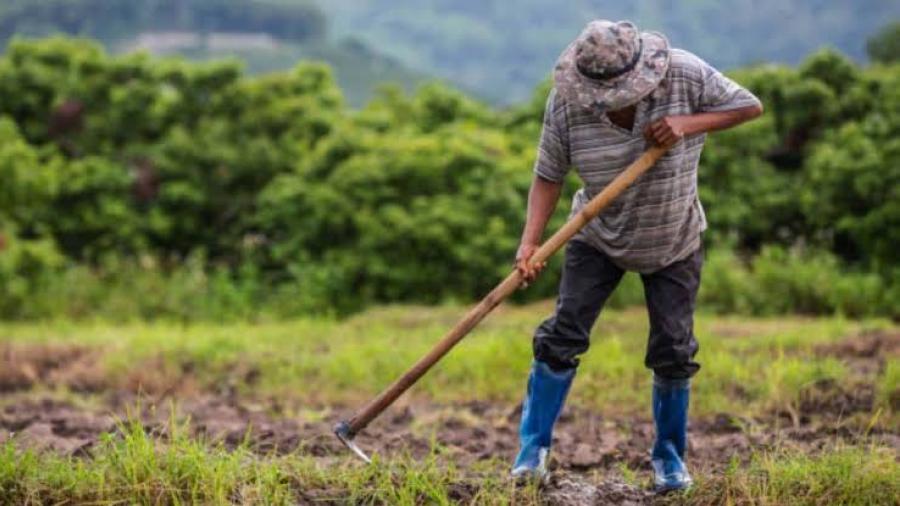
{"type": "Point", "coordinates": [671, 129]}
{"type": "Point", "coordinates": [717, 103]}
{"type": "Point", "coordinates": [542, 200]}
{"type": "Point", "coordinates": [550, 169]}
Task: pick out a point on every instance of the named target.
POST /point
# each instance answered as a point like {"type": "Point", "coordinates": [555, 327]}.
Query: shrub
{"type": "Point", "coordinates": [220, 194]}
{"type": "Point", "coordinates": [781, 281]}
{"type": "Point", "coordinates": [27, 267]}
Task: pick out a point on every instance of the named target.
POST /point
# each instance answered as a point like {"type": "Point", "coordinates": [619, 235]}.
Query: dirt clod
{"type": "Point", "coordinates": [566, 489]}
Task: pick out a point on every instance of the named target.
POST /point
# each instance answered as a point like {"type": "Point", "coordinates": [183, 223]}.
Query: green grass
{"type": "Point", "coordinates": [138, 469]}
{"type": "Point", "coordinates": [135, 468]}
{"type": "Point", "coordinates": [845, 476]}
{"type": "Point", "coordinates": [750, 366]}
{"type": "Point", "coordinates": [747, 364]}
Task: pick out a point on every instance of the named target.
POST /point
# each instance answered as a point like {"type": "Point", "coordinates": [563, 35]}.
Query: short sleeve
{"type": "Point", "coordinates": [553, 162]}
{"type": "Point", "coordinates": [719, 93]}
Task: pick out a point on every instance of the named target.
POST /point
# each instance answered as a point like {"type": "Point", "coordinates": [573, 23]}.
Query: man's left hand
{"type": "Point", "coordinates": [667, 131]}
{"type": "Point", "coordinates": [671, 129]}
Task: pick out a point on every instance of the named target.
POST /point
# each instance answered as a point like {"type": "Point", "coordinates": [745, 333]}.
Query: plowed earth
{"type": "Point", "coordinates": [597, 459]}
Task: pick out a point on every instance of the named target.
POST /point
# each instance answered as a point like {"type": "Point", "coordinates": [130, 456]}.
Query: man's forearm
{"type": "Point", "coordinates": [542, 199]}
{"type": "Point", "coordinates": [670, 129]}
{"type": "Point", "coordinates": [720, 120]}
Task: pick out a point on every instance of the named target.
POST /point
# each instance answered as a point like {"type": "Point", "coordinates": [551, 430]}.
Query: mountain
{"type": "Point", "coordinates": [266, 34]}
{"type": "Point", "coordinates": [501, 49]}
{"type": "Point", "coordinates": [297, 20]}
{"type": "Point", "coordinates": [496, 49]}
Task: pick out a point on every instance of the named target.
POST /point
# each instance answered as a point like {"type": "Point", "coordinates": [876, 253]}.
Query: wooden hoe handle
{"type": "Point", "coordinates": [501, 292]}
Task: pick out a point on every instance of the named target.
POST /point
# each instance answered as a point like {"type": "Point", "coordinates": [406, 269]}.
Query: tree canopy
{"type": "Point", "coordinates": [415, 197]}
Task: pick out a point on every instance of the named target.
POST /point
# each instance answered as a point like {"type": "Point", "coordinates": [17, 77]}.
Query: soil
{"type": "Point", "coordinates": [25, 365]}
{"type": "Point", "coordinates": [589, 453]}
{"type": "Point", "coordinates": [587, 444]}
{"type": "Point", "coordinates": [865, 353]}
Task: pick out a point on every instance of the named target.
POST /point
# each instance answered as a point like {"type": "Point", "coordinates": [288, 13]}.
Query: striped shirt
{"type": "Point", "coordinates": [659, 219]}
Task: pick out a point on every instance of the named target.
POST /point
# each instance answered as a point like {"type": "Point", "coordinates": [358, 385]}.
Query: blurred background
{"type": "Point", "coordinates": [489, 48]}
{"type": "Point", "coordinates": [254, 158]}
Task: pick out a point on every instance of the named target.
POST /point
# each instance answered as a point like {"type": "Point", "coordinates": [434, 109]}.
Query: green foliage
{"type": "Point", "coordinates": [427, 209]}
{"type": "Point", "coordinates": [853, 188]}
{"type": "Point", "coordinates": [26, 267]}
{"type": "Point", "coordinates": [778, 281]}
{"type": "Point", "coordinates": [201, 187]}
{"type": "Point", "coordinates": [125, 290]}
{"type": "Point", "coordinates": [884, 46]}
{"type": "Point", "coordinates": [831, 68]}
{"type": "Point", "coordinates": [28, 181]}
{"type": "Point", "coordinates": [166, 156]}
{"type": "Point", "coordinates": [819, 168]}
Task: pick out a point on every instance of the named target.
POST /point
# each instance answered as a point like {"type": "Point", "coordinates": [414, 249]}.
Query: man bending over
{"type": "Point", "coordinates": [617, 90]}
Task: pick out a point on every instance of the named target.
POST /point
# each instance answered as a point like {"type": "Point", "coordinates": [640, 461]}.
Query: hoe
{"type": "Point", "coordinates": [347, 430]}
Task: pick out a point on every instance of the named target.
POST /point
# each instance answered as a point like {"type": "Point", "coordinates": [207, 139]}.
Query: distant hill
{"type": "Point", "coordinates": [502, 48]}
{"type": "Point", "coordinates": [496, 49]}
{"type": "Point", "coordinates": [358, 69]}
{"type": "Point", "coordinates": [267, 34]}
{"type": "Point", "coordinates": [297, 20]}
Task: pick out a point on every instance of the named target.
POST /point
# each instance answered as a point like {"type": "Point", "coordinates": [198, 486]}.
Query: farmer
{"type": "Point", "coordinates": [616, 91]}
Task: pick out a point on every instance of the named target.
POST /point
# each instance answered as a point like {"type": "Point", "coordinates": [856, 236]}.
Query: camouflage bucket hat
{"type": "Point", "coordinates": [611, 65]}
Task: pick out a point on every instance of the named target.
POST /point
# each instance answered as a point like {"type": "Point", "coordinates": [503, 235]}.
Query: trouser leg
{"type": "Point", "coordinates": [671, 295]}
{"type": "Point", "coordinates": [588, 279]}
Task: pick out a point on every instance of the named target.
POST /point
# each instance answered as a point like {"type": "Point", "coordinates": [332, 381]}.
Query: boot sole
{"type": "Point", "coordinates": [665, 489]}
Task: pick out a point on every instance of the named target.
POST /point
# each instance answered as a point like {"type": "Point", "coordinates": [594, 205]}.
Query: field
{"type": "Point", "coordinates": [203, 270]}
{"type": "Point", "coordinates": [792, 410]}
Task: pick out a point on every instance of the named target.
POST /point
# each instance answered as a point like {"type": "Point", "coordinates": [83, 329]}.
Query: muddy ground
{"type": "Point", "coordinates": [589, 452]}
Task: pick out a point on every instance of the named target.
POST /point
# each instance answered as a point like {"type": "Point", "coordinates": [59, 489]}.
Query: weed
{"type": "Point", "coordinates": [843, 475]}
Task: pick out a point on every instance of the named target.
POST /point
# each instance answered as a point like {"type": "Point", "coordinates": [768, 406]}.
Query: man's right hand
{"type": "Point", "coordinates": [523, 255]}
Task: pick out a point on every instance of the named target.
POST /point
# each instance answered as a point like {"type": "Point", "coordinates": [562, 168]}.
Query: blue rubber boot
{"type": "Point", "coordinates": [547, 390]}
{"type": "Point", "coordinates": [670, 412]}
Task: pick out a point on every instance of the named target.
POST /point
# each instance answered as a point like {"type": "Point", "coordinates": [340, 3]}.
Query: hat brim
{"type": "Point", "coordinates": [619, 92]}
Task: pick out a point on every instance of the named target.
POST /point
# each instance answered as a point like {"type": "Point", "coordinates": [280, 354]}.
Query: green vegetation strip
{"type": "Point", "coordinates": [216, 195]}
{"type": "Point", "coordinates": [749, 366]}
{"type": "Point", "coordinates": [138, 469]}
{"type": "Point", "coordinates": [850, 475]}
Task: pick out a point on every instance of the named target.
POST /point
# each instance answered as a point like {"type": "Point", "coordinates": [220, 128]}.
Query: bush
{"type": "Point", "coordinates": [885, 45]}
{"type": "Point", "coordinates": [412, 217]}
{"type": "Point", "coordinates": [27, 268]}
{"type": "Point", "coordinates": [781, 281]}
{"type": "Point", "coordinates": [217, 194]}
{"type": "Point", "coordinates": [40, 286]}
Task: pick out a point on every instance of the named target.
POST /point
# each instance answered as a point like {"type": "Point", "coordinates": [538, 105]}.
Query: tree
{"type": "Point", "coordinates": [884, 46]}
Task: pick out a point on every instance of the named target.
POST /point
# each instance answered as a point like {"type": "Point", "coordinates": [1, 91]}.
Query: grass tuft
{"type": "Point", "coordinates": [863, 476]}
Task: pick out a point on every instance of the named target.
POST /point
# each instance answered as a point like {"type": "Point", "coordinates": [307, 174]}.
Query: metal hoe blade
{"type": "Point", "coordinates": [346, 435]}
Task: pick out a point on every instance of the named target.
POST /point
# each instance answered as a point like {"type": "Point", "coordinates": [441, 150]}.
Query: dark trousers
{"type": "Point", "coordinates": [589, 278]}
